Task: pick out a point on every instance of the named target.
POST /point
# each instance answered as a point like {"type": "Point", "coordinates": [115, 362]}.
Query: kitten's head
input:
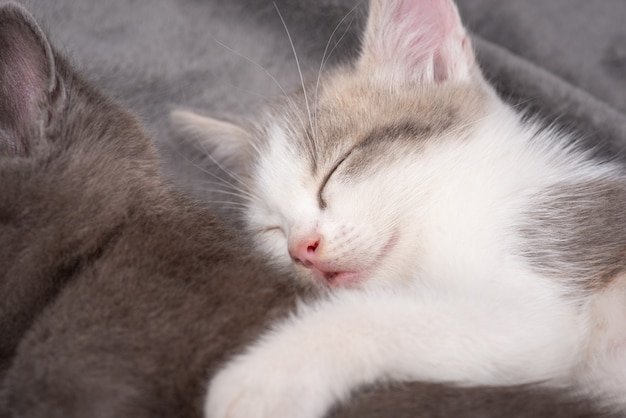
{"type": "Point", "coordinates": [339, 169]}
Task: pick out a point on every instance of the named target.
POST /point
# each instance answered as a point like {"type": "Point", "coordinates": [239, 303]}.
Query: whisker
{"type": "Point", "coordinates": [230, 173]}
{"type": "Point", "coordinates": [205, 171]}
{"type": "Point", "coordinates": [233, 193]}
{"type": "Point", "coordinates": [221, 181]}
{"type": "Point", "coordinates": [290, 101]}
{"type": "Point", "coordinates": [226, 203]}
{"type": "Point", "coordinates": [251, 61]}
{"type": "Point", "coordinates": [343, 35]}
{"type": "Point", "coordinates": [324, 60]}
{"type": "Point", "coordinates": [230, 202]}
{"type": "Point", "coordinates": [293, 48]}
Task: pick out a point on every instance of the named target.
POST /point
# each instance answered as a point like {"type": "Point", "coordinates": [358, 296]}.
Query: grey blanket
{"type": "Point", "coordinates": [565, 59]}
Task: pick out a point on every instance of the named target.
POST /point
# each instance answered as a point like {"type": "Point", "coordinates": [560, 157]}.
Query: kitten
{"type": "Point", "coordinates": [459, 242]}
{"type": "Point", "coordinates": [119, 295]}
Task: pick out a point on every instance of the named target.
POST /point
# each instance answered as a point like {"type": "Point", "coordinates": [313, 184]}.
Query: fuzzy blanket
{"type": "Point", "coordinates": [562, 59]}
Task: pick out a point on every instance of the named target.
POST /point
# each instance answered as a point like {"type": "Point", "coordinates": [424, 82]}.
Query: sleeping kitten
{"type": "Point", "coordinates": [459, 242]}
{"type": "Point", "coordinates": [119, 295]}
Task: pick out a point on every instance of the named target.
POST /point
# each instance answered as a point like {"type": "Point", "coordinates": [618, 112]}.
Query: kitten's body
{"type": "Point", "coordinates": [476, 248]}
{"type": "Point", "coordinates": [119, 295]}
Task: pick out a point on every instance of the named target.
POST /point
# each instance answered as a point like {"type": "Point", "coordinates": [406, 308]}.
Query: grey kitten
{"type": "Point", "coordinates": [121, 295]}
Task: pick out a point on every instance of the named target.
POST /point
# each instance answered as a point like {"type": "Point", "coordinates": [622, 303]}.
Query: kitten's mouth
{"type": "Point", "coordinates": [351, 278]}
{"type": "Point", "coordinates": [330, 273]}
{"type": "Point", "coordinates": [332, 278]}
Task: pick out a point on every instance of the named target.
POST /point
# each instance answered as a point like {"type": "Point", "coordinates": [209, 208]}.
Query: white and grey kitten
{"type": "Point", "coordinates": [460, 243]}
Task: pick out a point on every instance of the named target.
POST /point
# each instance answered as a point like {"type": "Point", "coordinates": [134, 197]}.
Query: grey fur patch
{"type": "Point", "coordinates": [578, 232]}
{"type": "Point", "coordinates": [403, 130]}
{"type": "Point", "coordinates": [359, 154]}
{"type": "Point", "coordinates": [412, 136]}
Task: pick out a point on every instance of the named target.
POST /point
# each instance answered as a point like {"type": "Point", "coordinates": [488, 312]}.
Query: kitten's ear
{"type": "Point", "coordinates": [225, 141]}
{"type": "Point", "coordinates": [27, 79]}
{"type": "Point", "coordinates": [419, 40]}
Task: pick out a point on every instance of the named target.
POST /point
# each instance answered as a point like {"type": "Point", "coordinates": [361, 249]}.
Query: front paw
{"type": "Point", "coordinates": [257, 386]}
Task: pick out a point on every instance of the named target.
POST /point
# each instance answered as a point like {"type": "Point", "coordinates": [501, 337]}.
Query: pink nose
{"type": "Point", "coordinates": [306, 249]}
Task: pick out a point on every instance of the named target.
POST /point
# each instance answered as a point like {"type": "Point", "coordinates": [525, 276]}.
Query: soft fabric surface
{"type": "Point", "coordinates": [563, 58]}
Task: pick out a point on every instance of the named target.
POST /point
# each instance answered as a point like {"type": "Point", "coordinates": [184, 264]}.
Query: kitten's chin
{"type": "Point", "coordinates": [338, 279]}
{"type": "Point", "coordinates": [330, 280]}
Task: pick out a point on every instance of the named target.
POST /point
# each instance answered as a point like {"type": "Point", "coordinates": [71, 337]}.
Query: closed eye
{"type": "Point", "coordinates": [320, 199]}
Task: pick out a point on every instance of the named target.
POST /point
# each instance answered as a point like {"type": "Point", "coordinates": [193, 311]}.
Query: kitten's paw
{"type": "Point", "coordinates": [264, 387]}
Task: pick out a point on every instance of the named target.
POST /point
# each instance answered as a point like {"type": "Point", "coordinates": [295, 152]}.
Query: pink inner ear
{"type": "Point", "coordinates": [428, 23]}
{"type": "Point", "coordinates": [433, 15]}
{"type": "Point", "coordinates": [27, 86]}
{"type": "Point", "coordinates": [421, 34]}
{"type": "Point", "coordinates": [25, 79]}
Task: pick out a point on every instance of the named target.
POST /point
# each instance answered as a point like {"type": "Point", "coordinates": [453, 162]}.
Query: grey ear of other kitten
{"type": "Point", "coordinates": [119, 294]}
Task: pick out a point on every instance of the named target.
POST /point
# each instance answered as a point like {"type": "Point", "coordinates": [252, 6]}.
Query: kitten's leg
{"type": "Point", "coordinates": [320, 355]}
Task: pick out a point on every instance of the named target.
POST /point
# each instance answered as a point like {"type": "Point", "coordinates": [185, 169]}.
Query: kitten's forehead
{"type": "Point", "coordinates": [376, 118]}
